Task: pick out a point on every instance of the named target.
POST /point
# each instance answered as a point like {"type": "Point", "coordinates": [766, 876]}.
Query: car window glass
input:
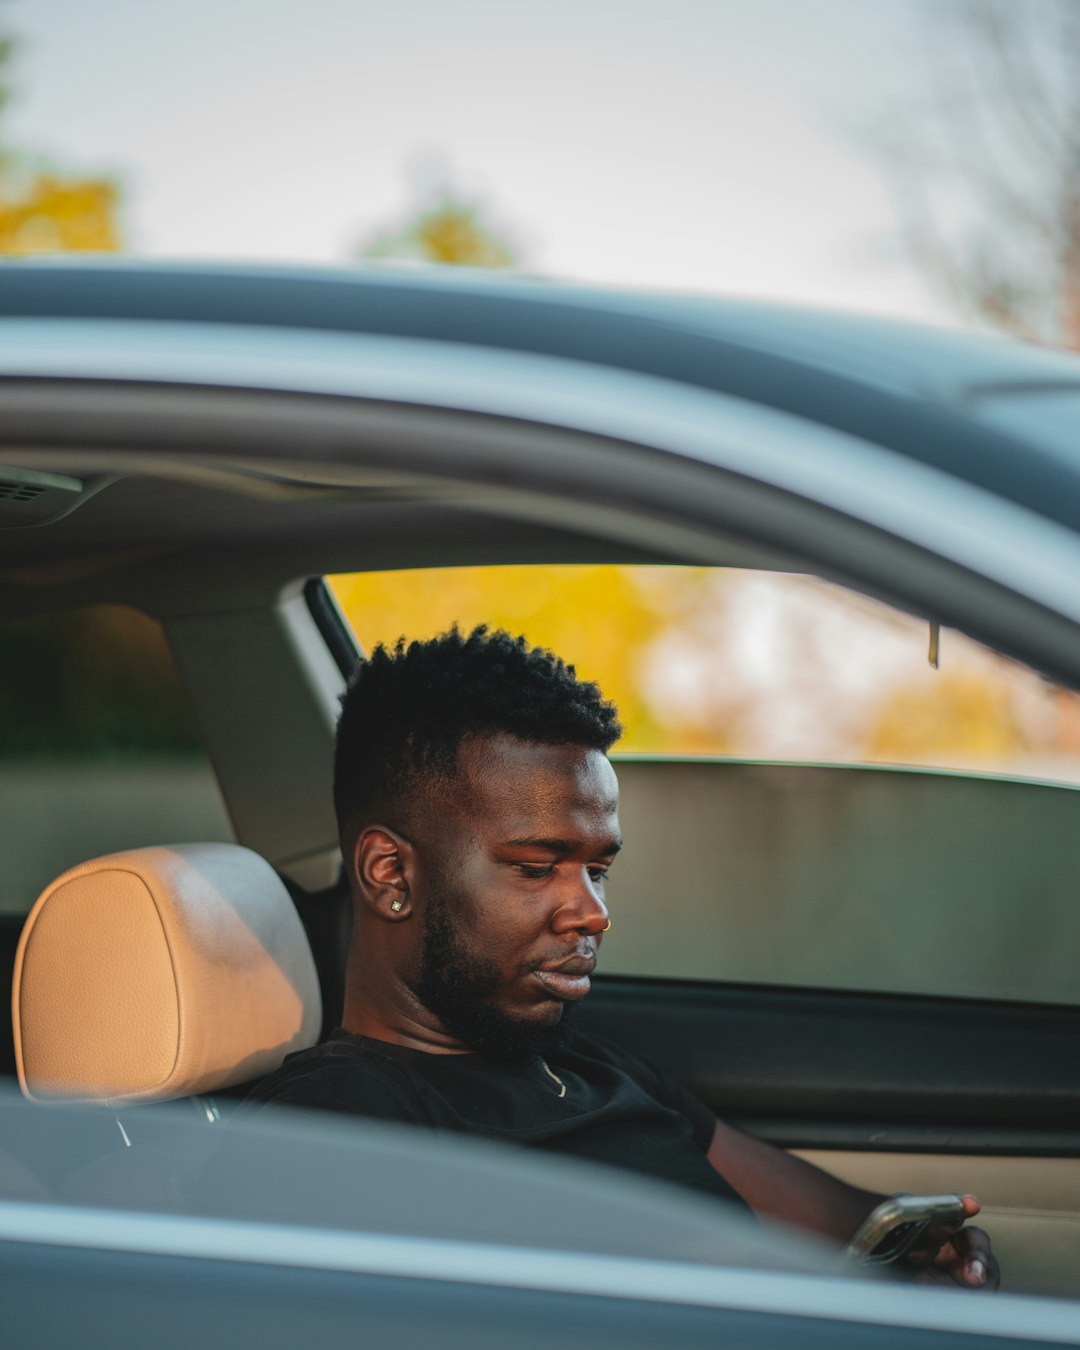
{"type": "Point", "coordinates": [97, 748]}
{"type": "Point", "coordinates": [806, 799]}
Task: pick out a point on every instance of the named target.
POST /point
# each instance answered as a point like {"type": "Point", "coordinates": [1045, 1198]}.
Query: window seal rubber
{"type": "Point", "coordinates": [332, 625]}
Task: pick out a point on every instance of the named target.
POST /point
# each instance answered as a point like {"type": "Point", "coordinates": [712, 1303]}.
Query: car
{"type": "Point", "coordinates": [874, 966]}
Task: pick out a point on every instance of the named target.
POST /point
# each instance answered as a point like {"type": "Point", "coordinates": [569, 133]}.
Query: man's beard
{"type": "Point", "coordinates": [459, 988]}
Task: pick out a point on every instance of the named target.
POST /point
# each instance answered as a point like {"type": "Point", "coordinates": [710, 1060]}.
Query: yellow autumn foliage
{"type": "Point", "coordinates": [45, 210]}
{"type": "Point", "coordinates": [968, 715]}
{"type": "Point", "coordinates": [49, 214]}
{"type": "Point", "coordinates": [598, 618]}
{"type": "Point", "coordinates": [451, 231]}
{"type": "Point", "coordinates": [633, 630]}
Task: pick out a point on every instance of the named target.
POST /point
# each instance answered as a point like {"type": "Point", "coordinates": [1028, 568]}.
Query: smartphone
{"type": "Point", "coordinates": [895, 1226]}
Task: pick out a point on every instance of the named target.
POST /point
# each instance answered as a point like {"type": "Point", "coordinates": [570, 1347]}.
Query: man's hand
{"type": "Point", "coordinates": [774, 1183]}
{"type": "Point", "coordinates": [950, 1254]}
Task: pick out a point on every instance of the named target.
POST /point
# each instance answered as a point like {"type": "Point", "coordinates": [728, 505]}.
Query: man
{"type": "Point", "coordinates": [478, 818]}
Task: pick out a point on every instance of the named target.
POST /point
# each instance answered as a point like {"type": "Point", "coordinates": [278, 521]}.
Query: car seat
{"type": "Point", "coordinates": [151, 975]}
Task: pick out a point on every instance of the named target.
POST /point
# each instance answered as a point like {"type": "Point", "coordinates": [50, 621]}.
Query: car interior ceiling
{"type": "Point", "coordinates": [167, 544]}
{"type": "Point", "coordinates": [579, 497]}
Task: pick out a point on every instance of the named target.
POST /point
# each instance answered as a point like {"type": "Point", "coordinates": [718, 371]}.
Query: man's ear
{"type": "Point", "coordinates": [383, 864]}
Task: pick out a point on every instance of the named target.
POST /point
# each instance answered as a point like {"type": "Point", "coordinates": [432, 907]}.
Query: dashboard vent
{"type": "Point", "coordinates": [28, 497]}
{"type": "Point", "coordinates": [19, 492]}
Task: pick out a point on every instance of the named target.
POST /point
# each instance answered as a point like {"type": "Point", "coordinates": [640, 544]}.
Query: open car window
{"type": "Point", "coordinates": [748, 664]}
{"type": "Point", "coordinates": [823, 791]}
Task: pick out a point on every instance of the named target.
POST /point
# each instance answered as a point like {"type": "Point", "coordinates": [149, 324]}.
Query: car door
{"type": "Point", "coordinates": [437, 425]}
{"type": "Point", "coordinates": [870, 963]}
{"type": "Point", "coordinates": [821, 1052]}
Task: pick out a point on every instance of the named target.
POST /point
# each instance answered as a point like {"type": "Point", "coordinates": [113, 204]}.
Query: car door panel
{"type": "Point", "coordinates": [1030, 1206]}
{"type": "Point", "coordinates": [810, 1068]}
{"type": "Point", "coordinates": [888, 1093]}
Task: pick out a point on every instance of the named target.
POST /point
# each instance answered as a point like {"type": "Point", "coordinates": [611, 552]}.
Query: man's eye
{"type": "Point", "coordinates": [598, 873]}
{"type": "Point", "coordinates": [534, 873]}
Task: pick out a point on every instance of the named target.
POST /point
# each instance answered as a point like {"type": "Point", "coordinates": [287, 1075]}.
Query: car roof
{"type": "Point", "coordinates": [931, 394]}
{"type": "Point", "coordinates": [231, 431]}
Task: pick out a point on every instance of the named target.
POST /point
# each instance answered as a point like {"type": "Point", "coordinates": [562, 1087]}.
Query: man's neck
{"type": "Point", "coordinates": [412, 1033]}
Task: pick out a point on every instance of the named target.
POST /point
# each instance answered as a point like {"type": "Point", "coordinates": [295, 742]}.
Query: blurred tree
{"type": "Point", "coordinates": [985, 179]}
{"type": "Point", "coordinates": [97, 682]}
{"type": "Point", "coordinates": [720, 661]}
{"type": "Point", "coordinates": [606, 620]}
{"type": "Point", "coordinates": [47, 214]}
{"type": "Point", "coordinates": [985, 175]}
{"type": "Point", "coordinates": [443, 227]}
{"type": "Point", "coordinates": [45, 211]}
{"type": "Point", "coordinates": [967, 716]}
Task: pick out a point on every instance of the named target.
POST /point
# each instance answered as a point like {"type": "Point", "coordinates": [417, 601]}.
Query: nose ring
{"type": "Point", "coordinates": [606, 926]}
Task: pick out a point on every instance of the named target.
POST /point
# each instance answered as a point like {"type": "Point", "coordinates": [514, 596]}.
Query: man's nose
{"type": "Point", "coordinates": [582, 908]}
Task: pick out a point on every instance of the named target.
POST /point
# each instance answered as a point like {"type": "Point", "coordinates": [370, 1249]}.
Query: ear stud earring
{"type": "Point", "coordinates": [395, 905]}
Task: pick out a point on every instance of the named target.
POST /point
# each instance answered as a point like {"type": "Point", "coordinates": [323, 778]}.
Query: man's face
{"type": "Point", "coordinates": [515, 892]}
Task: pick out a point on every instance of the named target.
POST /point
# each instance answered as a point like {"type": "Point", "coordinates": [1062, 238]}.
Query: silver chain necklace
{"type": "Point", "coordinates": [554, 1077]}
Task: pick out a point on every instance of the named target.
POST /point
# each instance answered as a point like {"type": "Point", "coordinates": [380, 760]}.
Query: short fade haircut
{"type": "Point", "coordinates": [407, 710]}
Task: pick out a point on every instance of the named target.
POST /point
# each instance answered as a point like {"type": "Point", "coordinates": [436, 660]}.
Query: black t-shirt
{"type": "Point", "coordinates": [616, 1107]}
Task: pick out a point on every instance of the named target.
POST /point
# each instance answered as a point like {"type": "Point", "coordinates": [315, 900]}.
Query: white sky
{"type": "Point", "coordinates": [709, 145]}
{"type": "Point", "coordinates": [717, 146]}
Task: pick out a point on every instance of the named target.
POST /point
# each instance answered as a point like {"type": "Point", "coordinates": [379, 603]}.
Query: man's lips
{"type": "Point", "coordinates": [567, 979]}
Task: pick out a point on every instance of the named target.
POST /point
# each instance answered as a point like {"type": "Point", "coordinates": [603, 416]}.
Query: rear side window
{"type": "Point", "coordinates": [98, 751]}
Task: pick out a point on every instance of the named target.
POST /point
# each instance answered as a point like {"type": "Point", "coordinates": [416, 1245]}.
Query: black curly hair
{"type": "Point", "coordinates": [408, 709]}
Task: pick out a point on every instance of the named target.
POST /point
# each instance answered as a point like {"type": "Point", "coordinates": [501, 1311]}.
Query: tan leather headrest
{"type": "Point", "coordinates": [158, 973]}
